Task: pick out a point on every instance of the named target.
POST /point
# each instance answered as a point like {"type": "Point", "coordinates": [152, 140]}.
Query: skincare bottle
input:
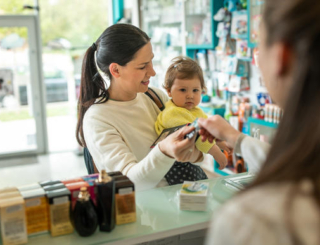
{"type": "Point", "coordinates": [105, 201]}
{"type": "Point", "coordinates": [125, 201]}
{"type": "Point", "coordinates": [84, 214]}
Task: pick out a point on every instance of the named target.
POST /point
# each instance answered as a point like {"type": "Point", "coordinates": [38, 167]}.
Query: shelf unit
{"type": "Point", "coordinates": [254, 13]}
{"type": "Point", "coordinates": [192, 48]}
{"type": "Point", "coordinates": [265, 127]}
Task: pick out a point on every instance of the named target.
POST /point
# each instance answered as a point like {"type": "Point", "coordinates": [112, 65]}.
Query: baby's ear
{"type": "Point", "coordinates": [168, 91]}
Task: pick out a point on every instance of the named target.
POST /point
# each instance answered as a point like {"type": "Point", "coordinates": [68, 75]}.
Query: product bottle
{"type": "Point", "coordinates": [84, 214]}
{"type": "Point", "coordinates": [105, 201]}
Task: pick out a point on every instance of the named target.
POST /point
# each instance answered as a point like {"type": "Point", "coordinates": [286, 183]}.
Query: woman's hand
{"type": "Point", "coordinates": [180, 148]}
{"type": "Point", "coordinates": [216, 127]}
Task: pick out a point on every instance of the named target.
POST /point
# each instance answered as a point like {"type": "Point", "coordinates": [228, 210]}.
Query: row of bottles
{"type": "Point", "coordinates": [60, 207]}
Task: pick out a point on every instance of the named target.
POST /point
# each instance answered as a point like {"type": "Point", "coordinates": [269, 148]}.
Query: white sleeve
{"type": "Point", "coordinates": [253, 151]}
{"type": "Point", "coordinates": [235, 225]}
{"type": "Point", "coordinates": [110, 152]}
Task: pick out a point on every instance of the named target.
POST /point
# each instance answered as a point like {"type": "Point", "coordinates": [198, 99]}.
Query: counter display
{"type": "Point", "coordinates": [158, 217]}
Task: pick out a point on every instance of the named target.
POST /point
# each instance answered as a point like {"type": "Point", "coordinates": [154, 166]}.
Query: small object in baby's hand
{"type": "Point", "coordinates": [195, 131]}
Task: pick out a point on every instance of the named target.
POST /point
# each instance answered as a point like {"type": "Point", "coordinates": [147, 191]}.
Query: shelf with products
{"type": "Point", "coordinates": [165, 29]}
{"type": "Point", "coordinates": [257, 128]}
{"type": "Point", "coordinates": [200, 27]}
{"type": "Point", "coordinates": [254, 17]}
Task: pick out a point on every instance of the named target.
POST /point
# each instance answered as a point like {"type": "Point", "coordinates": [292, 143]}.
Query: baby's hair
{"type": "Point", "coordinates": [183, 68]}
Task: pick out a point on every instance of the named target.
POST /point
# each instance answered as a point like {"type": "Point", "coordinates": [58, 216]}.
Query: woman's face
{"type": "Point", "coordinates": [272, 63]}
{"type": "Point", "coordinates": [135, 75]}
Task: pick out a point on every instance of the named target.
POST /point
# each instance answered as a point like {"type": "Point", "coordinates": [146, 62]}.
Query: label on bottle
{"type": "Point", "coordinates": [60, 200]}
{"type": "Point", "coordinates": [125, 206]}
{"type": "Point", "coordinates": [13, 222]}
{"type": "Point", "coordinates": [37, 215]}
{"type": "Point", "coordinates": [59, 218]}
{"type": "Point", "coordinates": [125, 191]}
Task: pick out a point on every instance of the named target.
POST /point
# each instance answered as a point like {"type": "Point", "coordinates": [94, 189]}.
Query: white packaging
{"type": "Point", "coordinates": [193, 196]}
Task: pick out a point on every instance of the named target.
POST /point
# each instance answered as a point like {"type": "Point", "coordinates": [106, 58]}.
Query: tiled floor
{"type": "Point", "coordinates": [66, 165]}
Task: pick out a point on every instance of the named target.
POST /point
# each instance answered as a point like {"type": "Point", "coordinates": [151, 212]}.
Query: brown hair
{"type": "Point", "coordinates": [118, 43]}
{"type": "Point", "coordinates": [183, 68]}
{"type": "Point", "coordinates": [295, 152]}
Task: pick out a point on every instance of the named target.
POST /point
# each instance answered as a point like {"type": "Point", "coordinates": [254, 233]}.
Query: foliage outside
{"type": "Point", "coordinates": [78, 21]}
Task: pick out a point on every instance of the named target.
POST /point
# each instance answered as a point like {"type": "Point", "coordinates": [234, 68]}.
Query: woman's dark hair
{"type": "Point", "coordinates": [117, 44]}
{"type": "Point", "coordinates": [295, 153]}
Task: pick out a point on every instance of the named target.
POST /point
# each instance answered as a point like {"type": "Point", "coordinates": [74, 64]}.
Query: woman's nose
{"type": "Point", "coordinates": [151, 71]}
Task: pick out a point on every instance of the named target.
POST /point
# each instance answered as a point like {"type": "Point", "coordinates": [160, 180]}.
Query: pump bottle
{"type": "Point", "coordinates": [105, 201]}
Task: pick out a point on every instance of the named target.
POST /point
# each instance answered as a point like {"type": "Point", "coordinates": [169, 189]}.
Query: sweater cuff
{"type": "Point", "coordinates": [160, 155]}
{"type": "Point", "coordinates": [237, 147]}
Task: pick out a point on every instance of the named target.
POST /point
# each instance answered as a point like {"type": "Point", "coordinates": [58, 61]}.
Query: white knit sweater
{"type": "Point", "coordinates": [259, 216]}
{"type": "Point", "coordinates": [119, 135]}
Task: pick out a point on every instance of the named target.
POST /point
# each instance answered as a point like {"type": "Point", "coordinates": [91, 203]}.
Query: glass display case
{"type": "Point", "coordinates": [255, 8]}
{"type": "Point", "coordinates": [162, 21]}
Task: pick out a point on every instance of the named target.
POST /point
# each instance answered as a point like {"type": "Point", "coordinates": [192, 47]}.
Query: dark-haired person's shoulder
{"type": "Point", "coordinates": [161, 93]}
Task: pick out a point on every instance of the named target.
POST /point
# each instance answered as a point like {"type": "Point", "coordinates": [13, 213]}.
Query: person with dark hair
{"type": "Point", "coordinates": [282, 204]}
{"type": "Point", "coordinates": [115, 116]}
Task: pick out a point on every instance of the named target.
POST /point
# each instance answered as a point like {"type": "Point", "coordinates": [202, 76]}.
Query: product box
{"type": "Point", "coordinates": [8, 189]}
{"type": "Point", "coordinates": [125, 202]}
{"type": "Point", "coordinates": [90, 176]}
{"type": "Point", "coordinates": [74, 188]}
{"type": "Point", "coordinates": [193, 196]}
{"type": "Point", "coordinates": [36, 211]}
{"type": "Point", "coordinates": [53, 187]}
{"type": "Point", "coordinates": [120, 177]}
{"type": "Point", "coordinates": [92, 189]}
{"type": "Point", "coordinates": [68, 181]}
{"type": "Point", "coordinates": [9, 194]}
{"type": "Point", "coordinates": [115, 173]}
{"type": "Point", "coordinates": [49, 182]}
{"type": "Point", "coordinates": [59, 211]}
{"type": "Point", "coordinates": [13, 221]}
{"type": "Point", "coordinates": [29, 187]}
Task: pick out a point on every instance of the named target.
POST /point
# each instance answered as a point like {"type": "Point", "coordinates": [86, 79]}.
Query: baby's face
{"type": "Point", "coordinates": [186, 93]}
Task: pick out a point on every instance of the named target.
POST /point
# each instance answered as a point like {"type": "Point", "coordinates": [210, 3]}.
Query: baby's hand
{"type": "Point", "coordinates": [224, 146]}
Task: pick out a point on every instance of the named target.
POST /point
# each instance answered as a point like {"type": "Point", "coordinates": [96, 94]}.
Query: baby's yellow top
{"type": "Point", "coordinates": [173, 116]}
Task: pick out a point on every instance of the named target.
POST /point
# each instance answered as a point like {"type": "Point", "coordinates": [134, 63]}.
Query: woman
{"type": "Point", "coordinates": [282, 206]}
{"type": "Point", "coordinates": [116, 119]}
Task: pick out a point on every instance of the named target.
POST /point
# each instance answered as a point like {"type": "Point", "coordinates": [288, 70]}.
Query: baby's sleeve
{"type": "Point", "coordinates": [204, 146]}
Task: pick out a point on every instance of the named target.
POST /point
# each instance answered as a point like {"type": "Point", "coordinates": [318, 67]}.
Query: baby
{"type": "Point", "coordinates": [184, 83]}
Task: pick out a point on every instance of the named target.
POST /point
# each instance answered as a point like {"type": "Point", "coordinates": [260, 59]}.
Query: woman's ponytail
{"type": "Point", "coordinates": [92, 86]}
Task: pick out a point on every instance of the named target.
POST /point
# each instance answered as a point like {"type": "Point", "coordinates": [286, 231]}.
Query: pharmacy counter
{"type": "Point", "coordinates": [158, 217]}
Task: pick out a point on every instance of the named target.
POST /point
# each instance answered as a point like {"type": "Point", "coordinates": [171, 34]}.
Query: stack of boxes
{"type": "Point", "coordinates": [193, 196]}
{"type": "Point", "coordinates": [46, 206]}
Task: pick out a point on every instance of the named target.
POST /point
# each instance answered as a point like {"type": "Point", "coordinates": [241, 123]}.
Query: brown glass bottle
{"type": "Point", "coordinates": [105, 201]}
{"type": "Point", "coordinates": [84, 214]}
